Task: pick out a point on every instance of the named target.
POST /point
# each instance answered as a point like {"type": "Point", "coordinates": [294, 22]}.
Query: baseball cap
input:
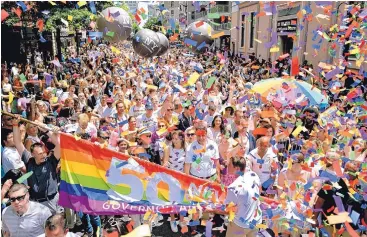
{"type": "Point", "coordinates": [149, 106]}
{"type": "Point", "coordinates": [109, 101]}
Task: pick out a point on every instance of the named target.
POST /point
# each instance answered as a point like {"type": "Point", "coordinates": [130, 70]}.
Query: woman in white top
{"type": "Point", "coordinates": [217, 128]}
{"type": "Point", "coordinates": [6, 89]}
{"type": "Point", "coordinates": [291, 182]}
{"type": "Point", "coordinates": [32, 136]}
{"type": "Point", "coordinates": [41, 111]}
{"type": "Point", "coordinates": [174, 158]}
{"type": "Point", "coordinates": [82, 101]}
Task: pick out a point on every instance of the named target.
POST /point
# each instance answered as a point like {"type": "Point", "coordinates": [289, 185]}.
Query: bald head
{"type": "Point", "coordinates": [263, 141]}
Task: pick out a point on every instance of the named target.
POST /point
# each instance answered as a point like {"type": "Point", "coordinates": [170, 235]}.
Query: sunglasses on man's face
{"type": "Point", "coordinates": [19, 199]}
{"type": "Point", "coordinates": [9, 119]}
{"type": "Point", "coordinates": [191, 134]}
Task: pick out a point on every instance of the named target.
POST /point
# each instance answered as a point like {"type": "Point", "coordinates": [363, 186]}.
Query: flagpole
{"type": "Point", "coordinates": [27, 121]}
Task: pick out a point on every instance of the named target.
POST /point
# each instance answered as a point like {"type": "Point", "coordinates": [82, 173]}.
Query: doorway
{"type": "Point", "coordinates": [287, 44]}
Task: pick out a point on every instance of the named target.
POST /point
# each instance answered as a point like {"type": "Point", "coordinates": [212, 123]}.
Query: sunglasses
{"type": "Point", "coordinates": [162, 126]}
{"type": "Point", "coordinates": [169, 109]}
{"type": "Point", "coordinates": [190, 134]}
{"type": "Point", "coordinates": [20, 198]}
{"type": "Point", "coordinates": [9, 119]}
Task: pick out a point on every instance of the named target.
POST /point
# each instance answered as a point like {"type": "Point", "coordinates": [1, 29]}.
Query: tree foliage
{"type": "Point", "coordinates": [52, 15]}
{"type": "Point", "coordinates": [81, 19]}
{"type": "Point", "coordinates": [153, 23]}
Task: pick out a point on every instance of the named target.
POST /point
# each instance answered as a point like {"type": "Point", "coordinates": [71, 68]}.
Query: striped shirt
{"type": "Point", "coordinates": [30, 224]}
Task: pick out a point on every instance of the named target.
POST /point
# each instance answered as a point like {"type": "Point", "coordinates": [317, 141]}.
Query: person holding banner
{"type": "Point", "coordinates": [44, 183]}
{"type": "Point", "coordinates": [174, 158]}
{"type": "Point", "coordinates": [205, 154]}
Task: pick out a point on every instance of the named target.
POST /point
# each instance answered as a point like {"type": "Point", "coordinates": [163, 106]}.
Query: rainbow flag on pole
{"type": "Point", "coordinates": [100, 181]}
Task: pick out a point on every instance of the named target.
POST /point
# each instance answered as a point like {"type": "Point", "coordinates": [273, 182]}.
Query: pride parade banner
{"type": "Point", "coordinates": [100, 181]}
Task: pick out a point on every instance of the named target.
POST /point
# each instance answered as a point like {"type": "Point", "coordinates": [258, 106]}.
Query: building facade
{"type": "Point", "coordinates": [218, 15]}
{"type": "Point", "coordinates": [133, 6]}
{"type": "Point", "coordinates": [255, 24]}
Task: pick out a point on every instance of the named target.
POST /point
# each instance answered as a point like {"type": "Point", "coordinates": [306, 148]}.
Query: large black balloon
{"type": "Point", "coordinates": [200, 35]}
{"type": "Point", "coordinates": [164, 44]}
{"type": "Point", "coordinates": [121, 24]}
{"type": "Point", "coordinates": [146, 43]}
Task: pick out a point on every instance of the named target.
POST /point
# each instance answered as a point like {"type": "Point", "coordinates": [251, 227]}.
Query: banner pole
{"type": "Point", "coordinates": [27, 121]}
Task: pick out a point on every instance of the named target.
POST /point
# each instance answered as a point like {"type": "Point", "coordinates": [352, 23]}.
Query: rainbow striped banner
{"type": "Point", "coordinates": [100, 181]}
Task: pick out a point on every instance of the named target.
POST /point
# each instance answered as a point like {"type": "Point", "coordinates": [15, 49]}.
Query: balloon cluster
{"type": "Point", "coordinates": [148, 43]}
{"type": "Point", "coordinates": [199, 34]}
{"type": "Point", "coordinates": [115, 23]}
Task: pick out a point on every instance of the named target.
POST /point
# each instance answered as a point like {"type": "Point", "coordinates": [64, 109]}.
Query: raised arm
{"type": "Point", "coordinates": [17, 135]}
{"type": "Point", "coordinates": [166, 156]}
{"type": "Point", "coordinates": [55, 139]}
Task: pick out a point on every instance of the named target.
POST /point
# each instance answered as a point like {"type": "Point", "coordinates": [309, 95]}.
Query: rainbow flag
{"type": "Point", "coordinates": [100, 181]}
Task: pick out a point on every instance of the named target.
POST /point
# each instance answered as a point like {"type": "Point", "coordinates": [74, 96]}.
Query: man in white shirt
{"type": "Point", "coordinates": [202, 157]}
{"type": "Point", "coordinates": [138, 108]}
{"type": "Point", "coordinates": [11, 158]}
{"type": "Point", "coordinates": [23, 218]}
{"type": "Point", "coordinates": [56, 226]}
{"type": "Point", "coordinates": [105, 109]}
{"type": "Point", "coordinates": [263, 161]}
{"type": "Point", "coordinates": [149, 119]}
{"type": "Point", "coordinates": [243, 194]}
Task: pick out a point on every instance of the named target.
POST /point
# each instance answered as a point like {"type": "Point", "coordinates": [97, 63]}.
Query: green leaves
{"type": "Point", "coordinates": [81, 18]}
{"type": "Point", "coordinates": [153, 24]}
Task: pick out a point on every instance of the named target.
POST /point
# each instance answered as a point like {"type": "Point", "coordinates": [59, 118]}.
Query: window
{"type": "Point", "coordinates": [252, 29]}
{"type": "Point", "coordinates": [172, 4]}
{"type": "Point", "coordinates": [172, 13]}
{"type": "Point", "coordinates": [243, 30]}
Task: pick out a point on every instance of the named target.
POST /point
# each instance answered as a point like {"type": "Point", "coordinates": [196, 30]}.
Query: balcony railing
{"type": "Point", "coordinates": [223, 26]}
{"type": "Point", "coordinates": [219, 9]}
{"type": "Point", "coordinates": [196, 15]}
{"type": "Point", "coordinates": [215, 12]}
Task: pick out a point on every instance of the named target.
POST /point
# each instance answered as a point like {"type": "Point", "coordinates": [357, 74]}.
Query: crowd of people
{"type": "Point", "coordinates": [281, 179]}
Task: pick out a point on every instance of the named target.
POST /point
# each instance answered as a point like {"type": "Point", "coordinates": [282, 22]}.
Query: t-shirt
{"type": "Point", "coordinates": [136, 111]}
{"type": "Point", "coordinates": [261, 166]}
{"type": "Point", "coordinates": [176, 159]}
{"type": "Point", "coordinates": [105, 111]}
{"type": "Point", "coordinates": [11, 159]}
{"type": "Point", "coordinates": [244, 192]}
{"type": "Point", "coordinates": [202, 162]}
{"type": "Point", "coordinates": [150, 123]}
{"type": "Point", "coordinates": [30, 224]}
{"type": "Point", "coordinates": [43, 182]}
